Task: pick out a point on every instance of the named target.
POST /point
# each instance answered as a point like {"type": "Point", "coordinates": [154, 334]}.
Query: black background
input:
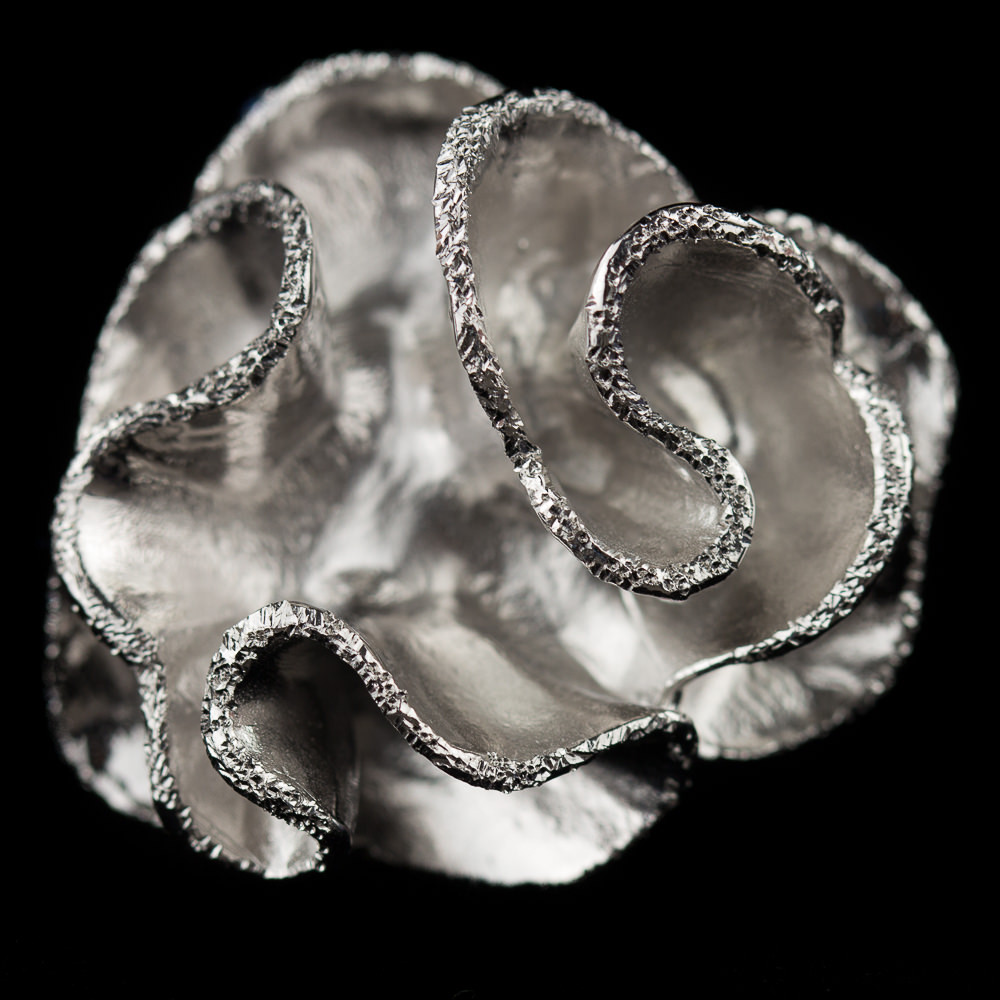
{"type": "Point", "coordinates": [846, 867]}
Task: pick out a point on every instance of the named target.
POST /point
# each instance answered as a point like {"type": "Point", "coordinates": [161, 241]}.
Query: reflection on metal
{"type": "Point", "coordinates": [292, 538]}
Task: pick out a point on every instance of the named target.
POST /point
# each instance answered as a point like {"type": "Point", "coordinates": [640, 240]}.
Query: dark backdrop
{"type": "Point", "coordinates": [845, 866]}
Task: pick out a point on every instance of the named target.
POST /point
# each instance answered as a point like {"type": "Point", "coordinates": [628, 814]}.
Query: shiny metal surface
{"type": "Point", "coordinates": [752, 708]}
{"type": "Point", "coordinates": [277, 413]}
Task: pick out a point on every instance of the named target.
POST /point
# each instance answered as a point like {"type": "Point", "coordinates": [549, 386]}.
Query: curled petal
{"type": "Point", "coordinates": [728, 320]}
{"type": "Point", "coordinates": [153, 534]}
{"type": "Point", "coordinates": [530, 191]}
{"type": "Point", "coordinates": [512, 729]}
{"type": "Point", "coordinates": [754, 708]}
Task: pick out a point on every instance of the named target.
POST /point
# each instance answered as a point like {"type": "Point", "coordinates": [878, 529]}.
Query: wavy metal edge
{"type": "Point", "coordinates": [246, 644]}
{"type": "Point", "coordinates": [891, 458]}
{"type": "Point", "coordinates": [467, 149]}
{"type": "Point", "coordinates": [228, 383]}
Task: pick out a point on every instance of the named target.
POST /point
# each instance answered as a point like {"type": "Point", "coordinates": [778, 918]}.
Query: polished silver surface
{"type": "Point", "coordinates": [291, 517]}
{"type": "Point", "coordinates": [885, 332]}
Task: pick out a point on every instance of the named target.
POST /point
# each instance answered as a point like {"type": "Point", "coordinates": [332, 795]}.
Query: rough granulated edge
{"type": "Point", "coordinates": [244, 644]}
{"type": "Point", "coordinates": [606, 351]}
{"type": "Point", "coordinates": [468, 148]}
{"type": "Point", "coordinates": [255, 201]}
{"type": "Point", "coordinates": [892, 464]}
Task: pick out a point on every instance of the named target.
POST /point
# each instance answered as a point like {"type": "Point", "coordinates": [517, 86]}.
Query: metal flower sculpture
{"type": "Point", "coordinates": [292, 538]}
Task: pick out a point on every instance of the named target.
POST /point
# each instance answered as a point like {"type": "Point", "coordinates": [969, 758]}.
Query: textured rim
{"type": "Point", "coordinates": [470, 143]}
{"type": "Point", "coordinates": [243, 647]}
{"type": "Point", "coordinates": [892, 463]}
{"type": "Point", "coordinates": [263, 203]}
